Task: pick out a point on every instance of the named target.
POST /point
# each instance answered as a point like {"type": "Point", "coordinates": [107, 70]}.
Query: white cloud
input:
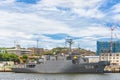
{"type": "Point", "coordinates": [117, 18]}
{"type": "Point", "coordinates": [84, 4]}
{"type": "Point", "coordinates": [22, 27]}
{"type": "Point", "coordinates": [88, 9]}
{"type": "Point", "coordinates": [93, 13]}
{"type": "Point", "coordinates": [92, 30]}
{"type": "Point", "coordinates": [116, 8]}
{"type": "Point", "coordinates": [31, 23]}
{"type": "Point", "coordinates": [114, 13]}
{"type": "Point", "coordinates": [81, 7]}
{"type": "Point", "coordinates": [6, 1]}
{"type": "Point", "coordinates": [22, 22]}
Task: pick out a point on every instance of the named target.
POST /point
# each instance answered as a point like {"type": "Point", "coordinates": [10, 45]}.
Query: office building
{"type": "Point", "coordinates": [104, 45]}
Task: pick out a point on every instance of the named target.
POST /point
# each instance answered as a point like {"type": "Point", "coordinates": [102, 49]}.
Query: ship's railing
{"type": "Point", "coordinates": [20, 66]}
{"type": "Point", "coordinates": [47, 58]}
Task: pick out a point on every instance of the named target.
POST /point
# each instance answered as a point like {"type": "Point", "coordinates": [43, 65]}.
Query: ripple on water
{"type": "Point", "coordinates": [31, 76]}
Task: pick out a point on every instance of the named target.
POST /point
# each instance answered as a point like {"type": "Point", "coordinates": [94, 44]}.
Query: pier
{"type": "Point", "coordinates": [113, 68]}
{"type": "Point", "coordinates": [5, 66]}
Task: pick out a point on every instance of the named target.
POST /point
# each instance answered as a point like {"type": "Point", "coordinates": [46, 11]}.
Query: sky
{"type": "Point", "coordinates": [52, 21]}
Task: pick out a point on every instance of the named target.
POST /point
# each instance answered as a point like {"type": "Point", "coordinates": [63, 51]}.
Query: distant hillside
{"type": "Point", "coordinates": [66, 50]}
{"type": "Point", "coordinates": [84, 52]}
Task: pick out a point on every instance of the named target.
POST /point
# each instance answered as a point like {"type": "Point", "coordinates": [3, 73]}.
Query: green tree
{"type": "Point", "coordinates": [1, 57]}
{"type": "Point", "coordinates": [14, 57]}
{"type": "Point", "coordinates": [57, 50]}
{"type": "Point", "coordinates": [24, 58]}
{"type": "Point", "coordinates": [47, 52]}
{"type": "Point", "coordinates": [3, 50]}
{"type": "Point", "coordinates": [9, 57]}
{"type": "Point", "coordinates": [6, 56]}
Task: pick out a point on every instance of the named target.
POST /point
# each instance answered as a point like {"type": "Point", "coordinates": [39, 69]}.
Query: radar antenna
{"type": "Point", "coordinates": [70, 42]}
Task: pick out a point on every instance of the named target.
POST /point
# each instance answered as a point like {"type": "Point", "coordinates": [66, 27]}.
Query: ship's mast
{"type": "Point", "coordinates": [70, 42]}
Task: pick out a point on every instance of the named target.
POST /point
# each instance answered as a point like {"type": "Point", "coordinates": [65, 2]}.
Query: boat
{"type": "Point", "coordinates": [62, 63]}
{"type": "Point", "coordinates": [73, 63]}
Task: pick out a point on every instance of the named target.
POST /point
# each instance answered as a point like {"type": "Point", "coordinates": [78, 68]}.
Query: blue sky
{"type": "Point", "coordinates": [51, 21]}
{"type": "Point", "coordinates": [28, 1]}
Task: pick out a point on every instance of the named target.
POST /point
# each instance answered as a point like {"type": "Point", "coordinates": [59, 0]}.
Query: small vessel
{"type": "Point", "coordinates": [71, 63]}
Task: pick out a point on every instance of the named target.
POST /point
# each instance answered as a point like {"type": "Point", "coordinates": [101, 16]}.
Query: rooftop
{"type": "Point", "coordinates": [108, 39]}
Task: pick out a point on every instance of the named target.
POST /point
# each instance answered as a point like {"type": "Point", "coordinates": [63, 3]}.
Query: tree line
{"type": "Point", "coordinates": [5, 56]}
{"type": "Point", "coordinates": [12, 57]}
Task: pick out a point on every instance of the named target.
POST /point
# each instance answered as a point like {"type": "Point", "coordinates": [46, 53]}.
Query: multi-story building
{"type": "Point", "coordinates": [36, 50]}
{"type": "Point", "coordinates": [92, 58]}
{"type": "Point", "coordinates": [114, 58]}
{"type": "Point", "coordinates": [104, 45]}
{"type": "Point", "coordinates": [19, 51]}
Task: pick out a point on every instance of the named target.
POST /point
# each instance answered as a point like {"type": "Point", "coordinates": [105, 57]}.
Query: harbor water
{"type": "Point", "coordinates": [33, 76]}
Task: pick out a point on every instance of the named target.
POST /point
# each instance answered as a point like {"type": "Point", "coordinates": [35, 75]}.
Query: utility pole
{"type": "Point", "coordinates": [37, 48]}
{"type": "Point", "coordinates": [78, 47]}
{"type": "Point", "coordinates": [14, 43]}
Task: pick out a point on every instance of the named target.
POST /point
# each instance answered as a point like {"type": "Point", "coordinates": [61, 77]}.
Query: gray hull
{"type": "Point", "coordinates": [62, 66]}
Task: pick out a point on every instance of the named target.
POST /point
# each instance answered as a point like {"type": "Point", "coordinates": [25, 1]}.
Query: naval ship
{"type": "Point", "coordinates": [62, 63]}
{"type": "Point", "coordinates": [73, 63]}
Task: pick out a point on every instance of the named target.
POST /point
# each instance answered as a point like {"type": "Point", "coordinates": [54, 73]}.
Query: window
{"type": "Point", "coordinates": [117, 54]}
{"type": "Point", "coordinates": [110, 54]}
{"type": "Point", "coordinates": [117, 61]}
{"type": "Point", "coordinates": [102, 57]}
{"type": "Point", "coordinates": [113, 57]}
{"type": "Point", "coordinates": [30, 66]}
{"type": "Point", "coordinates": [110, 57]}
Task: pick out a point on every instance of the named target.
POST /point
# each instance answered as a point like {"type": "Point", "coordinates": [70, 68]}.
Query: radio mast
{"type": "Point", "coordinates": [70, 42]}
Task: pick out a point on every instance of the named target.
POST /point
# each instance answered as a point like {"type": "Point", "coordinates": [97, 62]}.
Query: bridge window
{"type": "Point", "coordinates": [31, 66]}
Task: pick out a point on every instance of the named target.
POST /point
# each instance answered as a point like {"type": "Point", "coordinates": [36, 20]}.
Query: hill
{"type": "Point", "coordinates": [57, 50]}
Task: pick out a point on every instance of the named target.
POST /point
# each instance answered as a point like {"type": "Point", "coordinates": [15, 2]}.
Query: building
{"type": "Point", "coordinates": [104, 45]}
{"type": "Point", "coordinates": [19, 51]}
{"type": "Point", "coordinates": [114, 58]}
{"type": "Point", "coordinates": [92, 58]}
{"type": "Point", "coordinates": [38, 51]}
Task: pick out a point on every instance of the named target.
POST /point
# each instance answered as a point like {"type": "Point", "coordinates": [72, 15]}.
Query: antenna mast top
{"type": "Point", "coordinates": [70, 42]}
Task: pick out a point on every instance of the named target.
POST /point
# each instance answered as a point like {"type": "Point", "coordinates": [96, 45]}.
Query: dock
{"type": "Point", "coordinates": [113, 69]}
{"type": "Point", "coordinates": [5, 69]}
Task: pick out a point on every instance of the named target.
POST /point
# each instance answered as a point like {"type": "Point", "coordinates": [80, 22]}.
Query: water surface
{"type": "Point", "coordinates": [32, 76]}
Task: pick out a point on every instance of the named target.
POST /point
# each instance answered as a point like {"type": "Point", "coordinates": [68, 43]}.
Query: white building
{"type": "Point", "coordinates": [92, 58]}
{"type": "Point", "coordinates": [19, 51]}
{"type": "Point", "coordinates": [114, 58]}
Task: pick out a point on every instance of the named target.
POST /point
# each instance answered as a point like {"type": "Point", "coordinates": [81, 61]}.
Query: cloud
{"type": "Point", "coordinates": [30, 22]}
{"type": "Point", "coordinates": [22, 27]}
{"type": "Point", "coordinates": [27, 23]}
{"type": "Point", "coordinates": [6, 1]}
{"type": "Point", "coordinates": [28, 1]}
{"type": "Point", "coordinates": [89, 9]}
{"type": "Point", "coordinates": [115, 12]}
